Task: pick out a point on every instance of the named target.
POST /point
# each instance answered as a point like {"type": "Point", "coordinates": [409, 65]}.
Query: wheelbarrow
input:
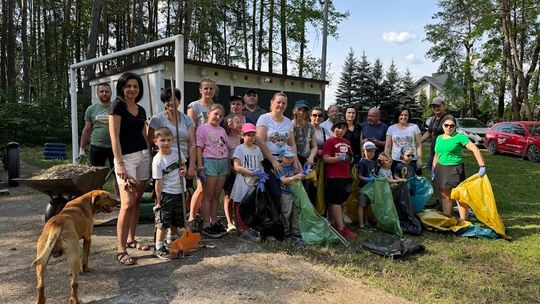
{"type": "Point", "coordinates": [64, 190]}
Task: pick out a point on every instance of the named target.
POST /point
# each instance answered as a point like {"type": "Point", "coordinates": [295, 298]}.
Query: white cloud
{"type": "Point", "coordinates": [398, 38]}
{"type": "Point", "coordinates": [411, 58]}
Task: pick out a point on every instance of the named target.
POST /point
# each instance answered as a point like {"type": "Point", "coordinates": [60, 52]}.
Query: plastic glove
{"type": "Point", "coordinates": [259, 173]}
{"type": "Point", "coordinates": [482, 171]}
{"type": "Point", "coordinates": [260, 185]}
{"type": "Point", "coordinates": [307, 169]}
{"type": "Point", "coordinates": [370, 179]}
{"type": "Point", "coordinates": [344, 158]}
{"type": "Point", "coordinates": [82, 155]}
{"type": "Point", "coordinates": [432, 175]}
{"type": "Point", "coordinates": [201, 176]}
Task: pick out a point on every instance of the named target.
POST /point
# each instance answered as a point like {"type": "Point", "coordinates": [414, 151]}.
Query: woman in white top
{"type": "Point", "coordinates": [198, 111]}
{"type": "Point", "coordinates": [403, 134]}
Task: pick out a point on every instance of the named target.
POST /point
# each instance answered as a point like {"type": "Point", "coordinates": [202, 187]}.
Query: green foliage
{"type": "Point", "coordinates": [347, 89]}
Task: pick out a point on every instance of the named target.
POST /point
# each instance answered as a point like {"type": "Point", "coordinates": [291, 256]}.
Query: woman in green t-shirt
{"type": "Point", "coordinates": [448, 169]}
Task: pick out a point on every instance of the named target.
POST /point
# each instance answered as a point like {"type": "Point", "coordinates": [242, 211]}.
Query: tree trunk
{"type": "Point", "coordinates": [283, 31]}
{"type": "Point", "coordinates": [502, 86]}
{"type": "Point", "coordinates": [64, 51]}
{"type": "Point", "coordinates": [302, 38]}
{"type": "Point", "coordinates": [187, 25]}
{"type": "Point", "coordinates": [506, 24]}
{"type": "Point", "coordinates": [261, 32]}
{"type": "Point", "coordinates": [25, 51]}
{"type": "Point", "coordinates": [91, 50]}
{"type": "Point", "coordinates": [244, 32]}
{"type": "Point", "coordinates": [271, 37]}
{"type": "Point", "coordinates": [11, 47]}
{"type": "Point", "coordinates": [253, 33]}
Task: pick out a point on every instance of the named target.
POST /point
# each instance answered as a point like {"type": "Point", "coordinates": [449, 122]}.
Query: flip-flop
{"type": "Point", "coordinates": [123, 258]}
{"type": "Point", "coordinates": [136, 245]}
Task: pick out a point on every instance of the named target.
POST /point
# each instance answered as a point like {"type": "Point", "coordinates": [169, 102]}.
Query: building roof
{"type": "Point", "coordinates": [161, 59]}
{"type": "Point", "coordinates": [437, 80]}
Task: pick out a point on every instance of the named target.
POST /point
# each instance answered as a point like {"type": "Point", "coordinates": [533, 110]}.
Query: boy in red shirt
{"type": "Point", "coordinates": [337, 154]}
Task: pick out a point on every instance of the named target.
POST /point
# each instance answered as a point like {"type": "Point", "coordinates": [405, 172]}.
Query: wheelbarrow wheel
{"type": "Point", "coordinates": [13, 164]}
{"type": "Point", "coordinates": [54, 207]}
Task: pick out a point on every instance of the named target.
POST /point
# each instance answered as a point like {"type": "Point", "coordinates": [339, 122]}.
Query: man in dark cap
{"type": "Point", "coordinates": [251, 109]}
{"type": "Point", "coordinates": [438, 107]}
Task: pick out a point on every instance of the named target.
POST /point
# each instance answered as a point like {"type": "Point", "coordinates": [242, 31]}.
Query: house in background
{"type": "Point", "coordinates": [432, 85]}
{"type": "Point", "coordinates": [157, 73]}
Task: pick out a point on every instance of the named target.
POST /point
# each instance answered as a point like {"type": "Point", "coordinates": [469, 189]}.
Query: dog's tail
{"type": "Point", "coordinates": [48, 246]}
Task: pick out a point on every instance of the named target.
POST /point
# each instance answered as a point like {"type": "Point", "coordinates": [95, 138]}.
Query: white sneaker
{"type": "Point", "coordinates": [231, 227]}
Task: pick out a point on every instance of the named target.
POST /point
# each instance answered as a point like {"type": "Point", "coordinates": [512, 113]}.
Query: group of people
{"type": "Point", "coordinates": [212, 151]}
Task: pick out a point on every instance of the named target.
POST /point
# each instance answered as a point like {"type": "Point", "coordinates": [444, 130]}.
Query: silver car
{"type": "Point", "coordinates": [473, 128]}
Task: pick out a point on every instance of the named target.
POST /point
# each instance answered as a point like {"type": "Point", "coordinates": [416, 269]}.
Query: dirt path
{"type": "Point", "coordinates": [234, 271]}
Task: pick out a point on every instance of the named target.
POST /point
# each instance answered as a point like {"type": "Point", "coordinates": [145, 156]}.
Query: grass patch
{"type": "Point", "coordinates": [33, 155]}
{"type": "Point", "coordinates": [456, 269]}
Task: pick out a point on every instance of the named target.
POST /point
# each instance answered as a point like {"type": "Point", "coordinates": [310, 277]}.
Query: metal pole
{"type": "Point", "coordinates": [179, 66]}
{"type": "Point", "coordinates": [323, 57]}
{"type": "Point", "coordinates": [74, 123]}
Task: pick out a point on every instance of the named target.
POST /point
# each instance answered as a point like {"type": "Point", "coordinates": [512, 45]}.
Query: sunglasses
{"type": "Point", "coordinates": [409, 155]}
{"type": "Point", "coordinates": [317, 115]}
{"type": "Point", "coordinates": [449, 126]}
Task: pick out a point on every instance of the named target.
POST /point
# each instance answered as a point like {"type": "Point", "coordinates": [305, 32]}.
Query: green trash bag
{"type": "Point", "coordinates": [314, 228]}
{"type": "Point", "coordinates": [382, 205]}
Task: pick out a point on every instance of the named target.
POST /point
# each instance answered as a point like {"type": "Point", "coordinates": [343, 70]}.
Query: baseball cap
{"type": "Point", "coordinates": [368, 145]}
{"type": "Point", "coordinates": [235, 97]}
{"type": "Point", "coordinates": [248, 127]}
{"type": "Point", "coordinates": [405, 148]}
{"type": "Point", "coordinates": [438, 101]}
{"type": "Point", "coordinates": [301, 104]}
{"type": "Point", "coordinates": [286, 151]}
{"type": "Point", "coordinates": [249, 91]}
{"type": "Point", "coordinates": [339, 121]}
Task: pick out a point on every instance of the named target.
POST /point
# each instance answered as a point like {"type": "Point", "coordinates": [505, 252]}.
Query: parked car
{"type": "Point", "coordinates": [515, 137]}
{"type": "Point", "coordinates": [473, 128]}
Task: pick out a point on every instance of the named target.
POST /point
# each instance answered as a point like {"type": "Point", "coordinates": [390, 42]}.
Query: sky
{"type": "Point", "coordinates": [385, 29]}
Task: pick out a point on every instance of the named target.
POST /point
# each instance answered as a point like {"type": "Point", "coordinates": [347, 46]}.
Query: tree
{"type": "Point", "coordinates": [378, 78]}
{"type": "Point", "coordinates": [392, 88]}
{"type": "Point", "coordinates": [364, 93]}
{"type": "Point", "coordinates": [348, 82]}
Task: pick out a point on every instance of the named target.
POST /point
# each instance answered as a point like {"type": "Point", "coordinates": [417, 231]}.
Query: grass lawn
{"type": "Point", "coordinates": [453, 269]}
{"type": "Point", "coordinates": [456, 269]}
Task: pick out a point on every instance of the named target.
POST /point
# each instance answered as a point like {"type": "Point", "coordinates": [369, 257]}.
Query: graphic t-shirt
{"type": "Point", "coordinates": [302, 137]}
{"type": "Point", "coordinates": [450, 150]}
{"type": "Point", "coordinates": [213, 140]}
{"type": "Point", "coordinates": [277, 133]}
{"type": "Point", "coordinates": [201, 112]}
{"type": "Point", "coordinates": [335, 146]}
{"type": "Point", "coordinates": [166, 168]}
{"type": "Point", "coordinates": [287, 171]}
{"type": "Point", "coordinates": [403, 170]}
{"type": "Point", "coordinates": [98, 115]}
{"type": "Point", "coordinates": [250, 158]}
{"type": "Point", "coordinates": [366, 168]}
{"type": "Point", "coordinates": [402, 137]}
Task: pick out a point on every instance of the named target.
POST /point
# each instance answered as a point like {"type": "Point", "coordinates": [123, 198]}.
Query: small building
{"type": "Point", "coordinates": [432, 85]}
{"type": "Point", "coordinates": [157, 73]}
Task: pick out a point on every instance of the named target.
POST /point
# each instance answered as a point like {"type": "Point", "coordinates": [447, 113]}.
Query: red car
{"type": "Point", "coordinates": [515, 137]}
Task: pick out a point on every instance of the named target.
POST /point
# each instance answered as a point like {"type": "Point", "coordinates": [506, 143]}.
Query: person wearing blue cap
{"type": "Point", "coordinates": [304, 134]}
{"type": "Point", "coordinates": [289, 213]}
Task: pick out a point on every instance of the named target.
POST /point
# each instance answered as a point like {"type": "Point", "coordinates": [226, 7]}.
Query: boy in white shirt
{"type": "Point", "coordinates": [167, 170]}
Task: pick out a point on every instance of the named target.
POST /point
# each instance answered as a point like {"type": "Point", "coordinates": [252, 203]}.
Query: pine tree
{"type": "Point", "coordinates": [348, 82]}
{"type": "Point", "coordinates": [392, 88]}
{"type": "Point", "coordinates": [407, 95]}
{"type": "Point", "coordinates": [364, 95]}
{"type": "Point", "coordinates": [378, 89]}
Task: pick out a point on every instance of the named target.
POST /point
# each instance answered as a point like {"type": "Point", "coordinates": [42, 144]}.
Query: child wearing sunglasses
{"type": "Point", "coordinates": [405, 168]}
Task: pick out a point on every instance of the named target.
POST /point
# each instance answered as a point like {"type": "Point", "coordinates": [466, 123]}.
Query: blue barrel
{"type": "Point", "coordinates": [54, 151]}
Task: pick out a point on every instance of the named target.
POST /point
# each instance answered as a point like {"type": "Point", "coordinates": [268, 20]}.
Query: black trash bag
{"type": "Point", "coordinates": [407, 218]}
{"type": "Point", "coordinates": [393, 246]}
{"type": "Point", "coordinates": [260, 213]}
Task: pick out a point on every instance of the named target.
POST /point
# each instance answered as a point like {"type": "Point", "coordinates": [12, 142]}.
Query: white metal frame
{"type": "Point", "coordinates": [178, 72]}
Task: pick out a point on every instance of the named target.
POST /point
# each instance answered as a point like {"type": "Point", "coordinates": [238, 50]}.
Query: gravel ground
{"type": "Point", "coordinates": [228, 270]}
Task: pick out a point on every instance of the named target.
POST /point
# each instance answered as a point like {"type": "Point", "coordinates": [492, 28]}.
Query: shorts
{"type": "Point", "coordinates": [337, 190]}
{"type": "Point", "coordinates": [363, 200]}
{"type": "Point", "coordinates": [137, 165]}
{"type": "Point", "coordinates": [99, 155]}
{"type": "Point", "coordinates": [216, 166]}
{"type": "Point", "coordinates": [170, 211]}
{"type": "Point", "coordinates": [448, 177]}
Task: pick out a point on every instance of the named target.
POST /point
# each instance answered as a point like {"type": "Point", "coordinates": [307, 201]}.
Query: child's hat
{"type": "Point", "coordinates": [368, 145]}
{"type": "Point", "coordinates": [248, 127]}
{"type": "Point", "coordinates": [405, 148]}
{"type": "Point", "coordinates": [286, 151]}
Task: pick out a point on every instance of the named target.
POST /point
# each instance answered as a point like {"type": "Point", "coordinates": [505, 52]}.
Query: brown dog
{"type": "Point", "coordinates": [62, 233]}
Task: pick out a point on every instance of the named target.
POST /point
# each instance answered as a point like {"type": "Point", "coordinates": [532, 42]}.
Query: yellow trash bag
{"type": "Point", "coordinates": [320, 205]}
{"type": "Point", "coordinates": [351, 205]}
{"type": "Point", "coordinates": [439, 221]}
{"type": "Point", "coordinates": [476, 192]}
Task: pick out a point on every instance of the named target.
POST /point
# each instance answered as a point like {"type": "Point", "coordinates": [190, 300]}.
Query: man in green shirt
{"type": "Point", "coordinates": [96, 129]}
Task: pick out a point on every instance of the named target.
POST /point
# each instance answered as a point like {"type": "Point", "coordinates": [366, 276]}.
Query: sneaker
{"type": "Point", "coordinates": [348, 234]}
{"type": "Point", "coordinates": [219, 227]}
{"type": "Point", "coordinates": [251, 235]}
{"type": "Point", "coordinates": [162, 253]}
{"type": "Point", "coordinates": [212, 232]}
{"type": "Point", "coordinates": [231, 228]}
{"type": "Point", "coordinates": [298, 241]}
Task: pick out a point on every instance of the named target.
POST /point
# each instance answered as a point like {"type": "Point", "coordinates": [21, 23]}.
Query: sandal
{"type": "Point", "coordinates": [123, 258]}
{"type": "Point", "coordinates": [136, 245]}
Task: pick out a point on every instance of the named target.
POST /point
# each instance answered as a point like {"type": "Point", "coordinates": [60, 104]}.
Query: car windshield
{"type": "Point", "coordinates": [534, 129]}
{"type": "Point", "coordinates": [470, 123]}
